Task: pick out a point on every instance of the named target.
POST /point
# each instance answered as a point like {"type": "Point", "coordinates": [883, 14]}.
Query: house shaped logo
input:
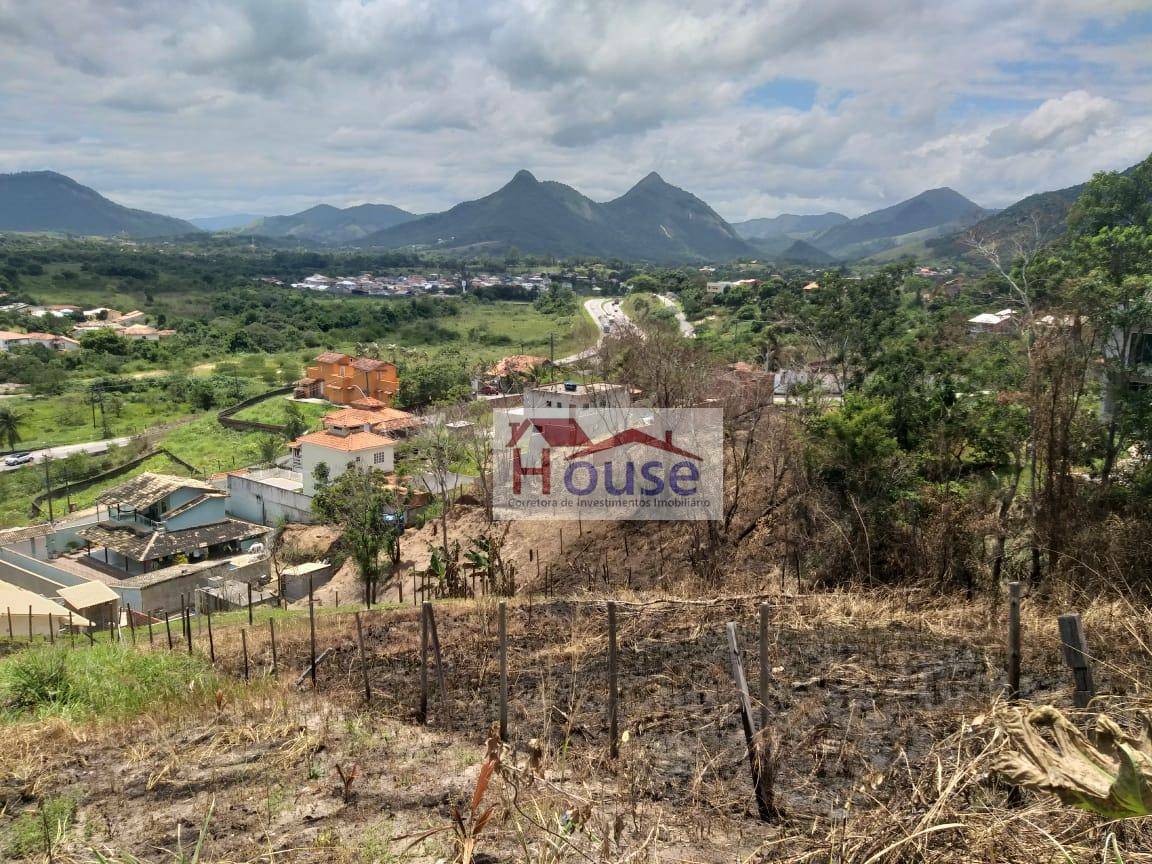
{"type": "Point", "coordinates": [649, 465]}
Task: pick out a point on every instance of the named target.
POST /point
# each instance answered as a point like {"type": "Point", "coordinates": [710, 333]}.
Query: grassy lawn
{"type": "Point", "coordinates": [102, 680]}
{"type": "Point", "coordinates": [275, 410]}
{"type": "Point", "coordinates": [490, 331]}
{"type": "Point", "coordinates": [212, 448]}
{"type": "Point", "coordinates": [48, 421]}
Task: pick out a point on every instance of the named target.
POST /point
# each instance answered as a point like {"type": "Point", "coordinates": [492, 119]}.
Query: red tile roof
{"type": "Point", "coordinates": [347, 443]}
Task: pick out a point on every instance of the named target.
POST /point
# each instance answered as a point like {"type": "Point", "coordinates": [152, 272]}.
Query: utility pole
{"type": "Point", "coordinates": [48, 485]}
{"type": "Point", "coordinates": [551, 355]}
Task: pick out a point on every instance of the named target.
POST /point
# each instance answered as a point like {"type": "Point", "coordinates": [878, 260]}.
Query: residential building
{"type": "Point", "coordinates": [343, 380]}
{"type": "Point", "coordinates": [344, 442]}
{"type": "Point", "coordinates": [10, 340]}
{"type": "Point", "coordinates": [993, 322]}
{"type": "Point", "coordinates": [30, 613]}
{"type": "Point", "coordinates": [154, 521]}
{"type": "Point", "coordinates": [569, 397]}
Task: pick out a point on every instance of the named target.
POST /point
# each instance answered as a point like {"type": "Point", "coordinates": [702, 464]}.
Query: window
{"type": "Point", "coordinates": [380, 457]}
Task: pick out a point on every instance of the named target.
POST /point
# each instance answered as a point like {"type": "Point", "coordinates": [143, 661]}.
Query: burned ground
{"type": "Point", "coordinates": [881, 713]}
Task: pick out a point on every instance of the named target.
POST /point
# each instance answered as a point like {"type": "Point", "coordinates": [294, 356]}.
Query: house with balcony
{"type": "Point", "coordinates": [342, 380]}
{"type": "Point", "coordinates": [155, 521]}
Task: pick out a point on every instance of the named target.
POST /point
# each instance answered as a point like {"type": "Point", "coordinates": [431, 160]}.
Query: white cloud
{"type": "Point", "coordinates": [1056, 125]}
{"type": "Point", "coordinates": [273, 105]}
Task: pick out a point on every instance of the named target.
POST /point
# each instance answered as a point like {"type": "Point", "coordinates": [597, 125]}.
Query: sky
{"type": "Point", "coordinates": [207, 107]}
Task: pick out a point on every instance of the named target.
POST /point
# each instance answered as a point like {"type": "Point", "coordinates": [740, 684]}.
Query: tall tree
{"type": "Point", "coordinates": [10, 423]}
{"type": "Point", "coordinates": [370, 513]}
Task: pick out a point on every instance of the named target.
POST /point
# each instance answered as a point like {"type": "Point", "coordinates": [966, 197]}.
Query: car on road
{"type": "Point", "coordinates": [17, 459]}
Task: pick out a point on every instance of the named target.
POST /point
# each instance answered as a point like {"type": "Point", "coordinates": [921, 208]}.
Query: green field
{"type": "Point", "coordinates": [275, 410]}
{"type": "Point", "coordinates": [49, 421]}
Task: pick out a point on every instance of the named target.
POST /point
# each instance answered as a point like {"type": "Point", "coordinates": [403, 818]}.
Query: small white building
{"type": "Point", "coordinates": [992, 322]}
{"type": "Point", "coordinates": [348, 439]}
{"type": "Point", "coordinates": [569, 397]}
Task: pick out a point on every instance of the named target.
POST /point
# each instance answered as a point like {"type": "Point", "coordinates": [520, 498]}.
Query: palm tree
{"type": "Point", "coordinates": [10, 422]}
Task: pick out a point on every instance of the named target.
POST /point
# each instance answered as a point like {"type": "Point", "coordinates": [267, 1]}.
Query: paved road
{"type": "Point", "coordinates": [91, 447]}
{"type": "Point", "coordinates": [686, 328]}
{"type": "Point", "coordinates": [608, 315]}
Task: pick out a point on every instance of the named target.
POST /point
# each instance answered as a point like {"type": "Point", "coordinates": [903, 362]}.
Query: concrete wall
{"type": "Point", "coordinates": [264, 504]}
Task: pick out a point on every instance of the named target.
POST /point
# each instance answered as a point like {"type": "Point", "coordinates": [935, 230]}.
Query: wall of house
{"type": "Point", "coordinates": [338, 462]}
{"type": "Point", "coordinates": [264, 504]}
{"type": "Point", "coordinates": [207, 512]}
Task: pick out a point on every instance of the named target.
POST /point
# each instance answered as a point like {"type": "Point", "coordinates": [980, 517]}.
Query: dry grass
{"type": "Point", "coordinates": [884, 714]}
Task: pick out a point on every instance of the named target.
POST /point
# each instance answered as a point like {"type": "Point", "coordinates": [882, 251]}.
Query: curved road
{"type": "Point", "coordinates": [686, 328]}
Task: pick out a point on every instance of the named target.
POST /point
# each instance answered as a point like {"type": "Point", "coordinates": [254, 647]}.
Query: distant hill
{"type": "Point", "coordinates": [933, 213]}
{"type": "Point", "coordinates": [803, 252]}
{"type": "Point", "coordinates": [1043, 211]}
{"type": "Point", "coordinates": [661, 221]}
{"type": "Point", "coordinates": [789, 225]}
{"type": "Point", "coordinates": [44, 201]}
{"type": "Point", "coordinates": [653, 221]}
{"type": "Point", "coordinates": [226, 222]}
{"type": "Point", "coordinates": [327, 224]}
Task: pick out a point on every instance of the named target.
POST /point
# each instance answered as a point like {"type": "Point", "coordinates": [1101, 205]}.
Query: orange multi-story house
{"type": "Point", "coordinates": [343, 380]}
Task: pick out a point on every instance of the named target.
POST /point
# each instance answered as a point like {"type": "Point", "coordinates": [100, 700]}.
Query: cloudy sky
{"type": "Point", "coordinates": [205, 107]}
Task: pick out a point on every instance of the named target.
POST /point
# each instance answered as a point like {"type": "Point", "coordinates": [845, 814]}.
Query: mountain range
{"type": "Point", "coordinates": [652, 221]}
{"type": "Point", "coordinates": [44, 201]}
{"type": "Point", "coordinates": [327, 224]}
{"type": "Point", "coordinates": [934, 213]}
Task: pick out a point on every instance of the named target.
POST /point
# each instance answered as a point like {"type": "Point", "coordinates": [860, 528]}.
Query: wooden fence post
{"type": "Point", "coordinates": [272, 634]}
{"type": "Point", "coordinates": [312, 633]}
{"type": "Point", "coordinates": [1076, 656]}
{"type": "Point", "coordinates": [244, 646]}
{"type": "Point", "coordinates": [422, 713]}
{"type": "Point", "coordinates": [438, 656]}
{"type": "Point", "coordinates": [29, 623]}
{"type": "Point", "coordinates": [151, 638]}
{"type": "Point", "coordinates": [167, 627]}
{"type": "Point", "coordinates": [188, 626]}
{"type": "Point", "coordinates": [211, 637]}
{"type": "Point", "coordinates": [503, 630]}
{"type": "Point", "coordinates": [765, 668]}
{"type": "Point", "coordinates": [249, 584]}
{"type": "Point", "coordinates": [561, 541]}
{"type": "Point", "coordinates": [11, 635]}
{"type": "Point", "coordinates": [131, 623]}
{"type": "Point", "coordinates": [71, 632]}
{"type": "Point", "coordinates": [363, 661]}
{"type": "Point", "coordinates": [613, 688]}
{"type": "Point", "coordinates": [758, 756]}
{"type": "Point", "coordinates": [51, 630]}
{"type": "Point", "coordinates": [1013, 640]}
